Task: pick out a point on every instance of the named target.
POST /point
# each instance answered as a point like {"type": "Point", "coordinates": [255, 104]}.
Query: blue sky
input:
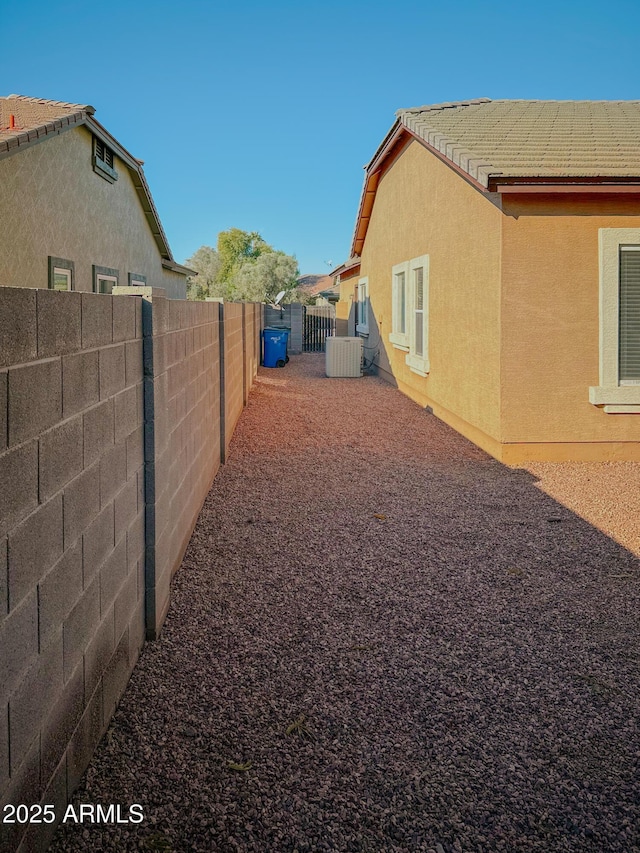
{"type": "Point", "coordinates": [261, 115]}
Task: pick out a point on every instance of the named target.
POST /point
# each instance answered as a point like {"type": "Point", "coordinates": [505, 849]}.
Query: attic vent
{"type": "Point", "coordinates": [103, 153]}
{"type": "Point", "coordinates": [630, 314]}
{"type": "Point", "coordinates": [103, 161]}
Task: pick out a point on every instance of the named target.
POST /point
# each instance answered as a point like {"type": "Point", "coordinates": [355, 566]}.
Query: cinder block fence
{"type": "Point", "coordinates": [289, 317]}
{"type": "Point", "coordinates": [115, 414]}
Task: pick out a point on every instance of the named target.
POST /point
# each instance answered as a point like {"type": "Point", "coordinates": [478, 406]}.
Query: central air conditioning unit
{"type": "Point", "coordinates": [343, 357]}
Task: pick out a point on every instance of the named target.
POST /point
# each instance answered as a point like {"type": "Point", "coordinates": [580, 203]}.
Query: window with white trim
{"type": "Point", "coordinates": [61, 274]}
{"type": "Point", "coordinates": [61, 279]}
{"type": "Point", "coordinates": [104, 279]}
{"type": "Point", "coordinates": [619, 388]}
{"type": "Point", "coordinates": [418, 315]}
{"type": "Point", "coordinates": [137, 280]}
{"type": "Point", "coordinates": [362, 318]}
{"type": "Point", "coordinates": [399, 335]}
{"type": "Point", "coordinates": [629, 345]}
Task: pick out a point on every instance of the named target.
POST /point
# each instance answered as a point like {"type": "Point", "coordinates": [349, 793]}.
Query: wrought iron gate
{"type": "Point", "coordinates": [319, 324]}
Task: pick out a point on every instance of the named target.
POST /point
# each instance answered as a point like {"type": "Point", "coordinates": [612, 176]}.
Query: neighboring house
{"type": "Point", "coordinates": [320, 287]}
{"type": "Point", "coordinates": [495, 273]}
{"type": "Point", "coordinates": [75, 207]}
{"type": "Point", "coordinates": [346, 281]}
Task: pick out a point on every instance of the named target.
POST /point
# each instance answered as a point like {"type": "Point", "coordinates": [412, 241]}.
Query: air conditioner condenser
{"type": "Point", "coordinates": [343, 357]}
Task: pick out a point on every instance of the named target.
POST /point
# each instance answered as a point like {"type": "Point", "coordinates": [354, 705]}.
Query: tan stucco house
{"type": "Point", "coordinates": [76, 210]}
{"type": "Point", "coordinates": [495, 273]}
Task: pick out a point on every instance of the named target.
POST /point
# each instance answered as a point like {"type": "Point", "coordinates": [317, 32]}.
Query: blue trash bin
{"type": "Point", "coordinates": [275, 347]}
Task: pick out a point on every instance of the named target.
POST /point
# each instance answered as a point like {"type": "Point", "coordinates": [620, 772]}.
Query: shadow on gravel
{"type": "Point", "coordinates": [380, 639]}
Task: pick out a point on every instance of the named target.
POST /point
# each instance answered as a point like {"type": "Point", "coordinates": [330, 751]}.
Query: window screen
{"type": "Point", "coordinates": [629, 347]}
{"type": "Point", "coordinates": [419, 310]}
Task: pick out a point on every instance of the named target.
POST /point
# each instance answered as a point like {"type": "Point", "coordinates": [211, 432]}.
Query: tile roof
{"type": "Point", "coordinates": [314, 284]}
{"type": "Point", "coordinates": [23, 120]}
{"type": "Point", "coordinates": [533, 139]}
{"type": "Point", "coordinates": [351, 264]}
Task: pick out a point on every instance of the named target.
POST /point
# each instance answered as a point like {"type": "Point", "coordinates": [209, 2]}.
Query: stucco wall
{"type": "Point", "coordinates": [53, 203]}
{"type": "Point", "coordinates": [550, 330]}
{"type": "Point", "coordinates": [423, 207]}
{"type": "Point", "coordinates": [345, 307]}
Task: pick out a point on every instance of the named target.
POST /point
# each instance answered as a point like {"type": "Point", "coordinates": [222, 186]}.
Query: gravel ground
{"type": "Point", "coordinates": [381, 639]}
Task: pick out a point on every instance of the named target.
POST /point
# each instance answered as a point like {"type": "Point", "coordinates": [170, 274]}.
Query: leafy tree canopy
{"type": "Point", "coordinates": [235, 247]}
{"type": "Point", "coordinates": [261, 279]}
{"type": "Point", "coordinates": [206, 262]}
{"type": "Point", "coordinates": [244, 266]}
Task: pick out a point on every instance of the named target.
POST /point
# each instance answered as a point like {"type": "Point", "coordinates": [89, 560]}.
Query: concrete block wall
{"type": "Point", "coordinates": [251, 344]}
{"type": "Point", "coordinates": [182, 375]}
{"type": "Point", "coordinates": [71, 534]}
{"type": "Point", "coordinates": [297, 322]}
{"type": "Point", "coordinates": [290, 317]}
{"type": "Point", "coordinates": [233, 336]}
{"type": "Point", "coordinates": [115, 413]}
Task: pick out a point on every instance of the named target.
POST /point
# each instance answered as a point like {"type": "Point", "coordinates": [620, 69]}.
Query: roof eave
{"type": "Point", "coordinates": [474, 170]}
{"type": "Point", "coordinates": [349, 266]}
{"type": "Point", "coordinates": [391, 147]}
{"type": "Point", "coordinates": [556, 186]}
{"type": "Point", "coordinates": [384, 146]}
{"type": "Point", "coordinates": [473, 167]}
{"type": "Point", "coordinates": [139, 182]}
{"type": "Point", "coordinates": [175, 267]}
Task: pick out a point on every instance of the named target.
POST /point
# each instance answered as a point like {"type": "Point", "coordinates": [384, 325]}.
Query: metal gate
{"type": "Point", "coordinates": [319, 324]}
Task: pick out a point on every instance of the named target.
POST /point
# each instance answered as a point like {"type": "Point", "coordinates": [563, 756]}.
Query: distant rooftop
{"type": "Point", "coordinates": [315, 284]}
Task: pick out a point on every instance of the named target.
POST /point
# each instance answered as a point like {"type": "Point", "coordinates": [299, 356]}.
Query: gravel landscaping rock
{"type": "Point", "coordinates": [381, 639]}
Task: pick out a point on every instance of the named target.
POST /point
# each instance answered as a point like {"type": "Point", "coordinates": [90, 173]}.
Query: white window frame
{"type": "Point", "coordinates": [418, 363]}
{"type": "Point", "coordinates": [137, 280]}
{"type": "Point", "coordinates": [101, 274]}
{"type": "Point", "coordinates": [614, 396]}
{"type": "Point", "coordinates": [100, 277]}
{"type": "Point", "coordinates": [67, 275]}
{"type": "Point", "coordinates": [362, 324]}
{"type": "Point", "coordinates": [399, 336]}
{"type": "Point", "coordinates": [61, 266]}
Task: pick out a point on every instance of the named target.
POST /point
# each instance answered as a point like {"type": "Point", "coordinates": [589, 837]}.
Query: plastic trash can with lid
{"type": "Point", "coordinates": [275, 347]}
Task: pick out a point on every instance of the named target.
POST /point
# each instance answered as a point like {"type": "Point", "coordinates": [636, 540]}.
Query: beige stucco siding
{"type": "Point", "coordinates": [53, 203]}
{"type": "Point", "coordinates": [423, 207]}
{"type": "Point", "coordinates": [345, 307]}
{"type": "Point", "coordinates": [550, 329]}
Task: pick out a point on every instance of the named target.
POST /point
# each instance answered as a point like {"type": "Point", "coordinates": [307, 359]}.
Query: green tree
{"type": "Point", "coordinates": [235, 247]}
{"type": "Point", "coordinates": [244, 266]}
{"type": "Point", "coordinates": [261, 278]}
{"type": "Point", "coordinates": [206, 262]}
